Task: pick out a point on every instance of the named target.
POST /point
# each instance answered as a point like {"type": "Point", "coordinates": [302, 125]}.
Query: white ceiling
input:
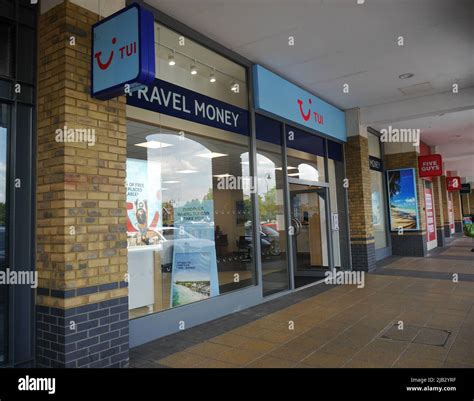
{"type": "Point", "coordinates": [339, 41]}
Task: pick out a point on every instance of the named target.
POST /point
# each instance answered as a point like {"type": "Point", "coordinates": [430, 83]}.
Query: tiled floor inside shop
{"type": "Point", "coordinates": [342, 326]}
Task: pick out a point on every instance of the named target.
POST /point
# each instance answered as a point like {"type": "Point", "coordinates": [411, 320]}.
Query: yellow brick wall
{"type": "Point", "coordinates": [457, 206]}
{"type": "Point", "coordinates": [359, 191]}
{"type": "Point", "coordinates": [438, 202]}
{"type": "Point", "coordinates": [444, 198]}
{"type": "Point", "coordinates": [81, 216]}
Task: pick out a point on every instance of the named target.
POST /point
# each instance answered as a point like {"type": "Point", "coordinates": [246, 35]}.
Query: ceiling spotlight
{"type": "Point", "coordinates": [171, 60]}
{"type": "Point", "coordinates": [406, 76]}
{"type": "Point", "coordinates": [153, 145]}
{"type": "Point", "coordinates": [193, 70]}
{"type": "Point", "coordinates": [212, 77]}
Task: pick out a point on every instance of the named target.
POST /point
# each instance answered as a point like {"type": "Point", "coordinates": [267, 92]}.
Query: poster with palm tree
{"type": "Point", "coordinates": [402, 199]}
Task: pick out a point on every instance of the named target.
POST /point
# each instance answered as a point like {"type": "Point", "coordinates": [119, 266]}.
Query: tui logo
{"type": "Point", "coordinates": [306, 116]}
{"type": "Point", "coordinates": [98, 55]}
{"type": "Point", "coordinates": [125, 51]}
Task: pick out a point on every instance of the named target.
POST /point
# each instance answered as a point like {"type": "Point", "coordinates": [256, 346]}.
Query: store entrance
{"type": "Point", "coordinates": [309, 229]}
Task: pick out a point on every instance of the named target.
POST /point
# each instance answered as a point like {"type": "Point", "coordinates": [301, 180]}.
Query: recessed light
{"type": "Point", "coordinates": [406, 76]}
{"type": "Point", "coordinates": [153, 145]}
{"type": "Point", "coordinates": [186, 171]}
{"type": "Point", "coordinates": [212, 155]}
{"type": "Point", "coordinates": [193, 70]}
{"type": "Point", "coordinates": [212, 78]}
{"type": "Point", "coordinates": [171, 60]}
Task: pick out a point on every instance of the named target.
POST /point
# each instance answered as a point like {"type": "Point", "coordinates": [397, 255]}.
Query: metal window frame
{"type": "Point", "coordinates": [20, 308]}
{"type": "Point", "coordinates": [214, 46]}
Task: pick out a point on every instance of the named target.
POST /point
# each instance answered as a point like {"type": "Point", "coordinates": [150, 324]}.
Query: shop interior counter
{"type": "Point", "coordinates": [144, 270]}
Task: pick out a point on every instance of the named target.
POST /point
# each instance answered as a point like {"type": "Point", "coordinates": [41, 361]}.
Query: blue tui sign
{"type": "Point", "coordinates": [123, 52]}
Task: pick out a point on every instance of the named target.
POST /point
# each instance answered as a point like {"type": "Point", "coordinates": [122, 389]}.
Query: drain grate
{"type": "Point", "coordinates": [430, 336]}
{"type": "Point", "coordinates": [417, 334]}
{"type": "Point", "coordinates": [407, 334]}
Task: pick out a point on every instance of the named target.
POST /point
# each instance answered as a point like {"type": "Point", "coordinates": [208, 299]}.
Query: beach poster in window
{"type": "Point", "coordinates": [403, 200]}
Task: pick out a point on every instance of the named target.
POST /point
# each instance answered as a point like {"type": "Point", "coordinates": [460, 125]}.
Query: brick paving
{"type": "Point", "coordinates": [342, 326]}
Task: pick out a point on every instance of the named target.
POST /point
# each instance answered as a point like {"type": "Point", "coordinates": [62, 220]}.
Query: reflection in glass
{"type": "Point", "coordinates": [378, 209]}
{"type": "Point", "coordinates": [4, 122]}
{"type": "Point", "coordinates": [272, 223]}
{"type": "Point", "coordinates": [339, 218]}
{"type": "Point", "coordinates": [275, 275]}
{"type": "Point", "coordinates": [305, 155]}
{"type": "Point", "coordinates": [188, 219]}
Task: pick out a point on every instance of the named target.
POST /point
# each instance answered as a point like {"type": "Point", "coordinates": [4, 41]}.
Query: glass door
{"type": "Point", "coordinates": [309, 229]}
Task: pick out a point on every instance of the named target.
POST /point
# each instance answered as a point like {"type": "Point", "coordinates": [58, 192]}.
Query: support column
{"type": "Point", "coordinates": [82, 298]}
{"type": "Point", "coordinates": [439, 210]}
{"type": "Point", "coordinates": [444, 200]}
{"type": "Point", "coordinates": [359, 194]}
{"type": "Point", "coordinates": [466, 208]}
{"type": "Point", "coordinates": [410, 243]}
{"type": "Point", "coordinates": [457, 211]}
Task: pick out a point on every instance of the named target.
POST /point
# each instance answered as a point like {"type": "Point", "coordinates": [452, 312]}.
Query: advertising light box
{"type": "Point", "coordinates": [123, 52]}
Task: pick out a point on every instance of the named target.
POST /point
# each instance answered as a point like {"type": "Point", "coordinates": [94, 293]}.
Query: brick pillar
{"type": "Point", "coordinates": [444, 200]}
{"type": "Point", "coordinates": [359, 195]}
{"type": "Point", "coordinates": [439, 209]}
{"type": "Point", "coordinates": [466, 208]}
{"type": "Point", "coordinates": [410, 243]}
{"type": "Point", "coordinates": [471, 201]}
{"type": "Point", "coordinates": [82, 298]}
{"type": "Point", "coordinates": [457, 211]}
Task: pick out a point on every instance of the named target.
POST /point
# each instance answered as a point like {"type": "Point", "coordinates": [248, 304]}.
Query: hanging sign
{"type": "Point", "coordinates": [375, 163]}
{"type": "Point", "coordinates": [465, 188]}
{"type": "Point", "coordinates": [123, 52]}
{"type": "Point", "coordinates": [453, 183]}
{"type": "Point", "coordinates": [430, 166]}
